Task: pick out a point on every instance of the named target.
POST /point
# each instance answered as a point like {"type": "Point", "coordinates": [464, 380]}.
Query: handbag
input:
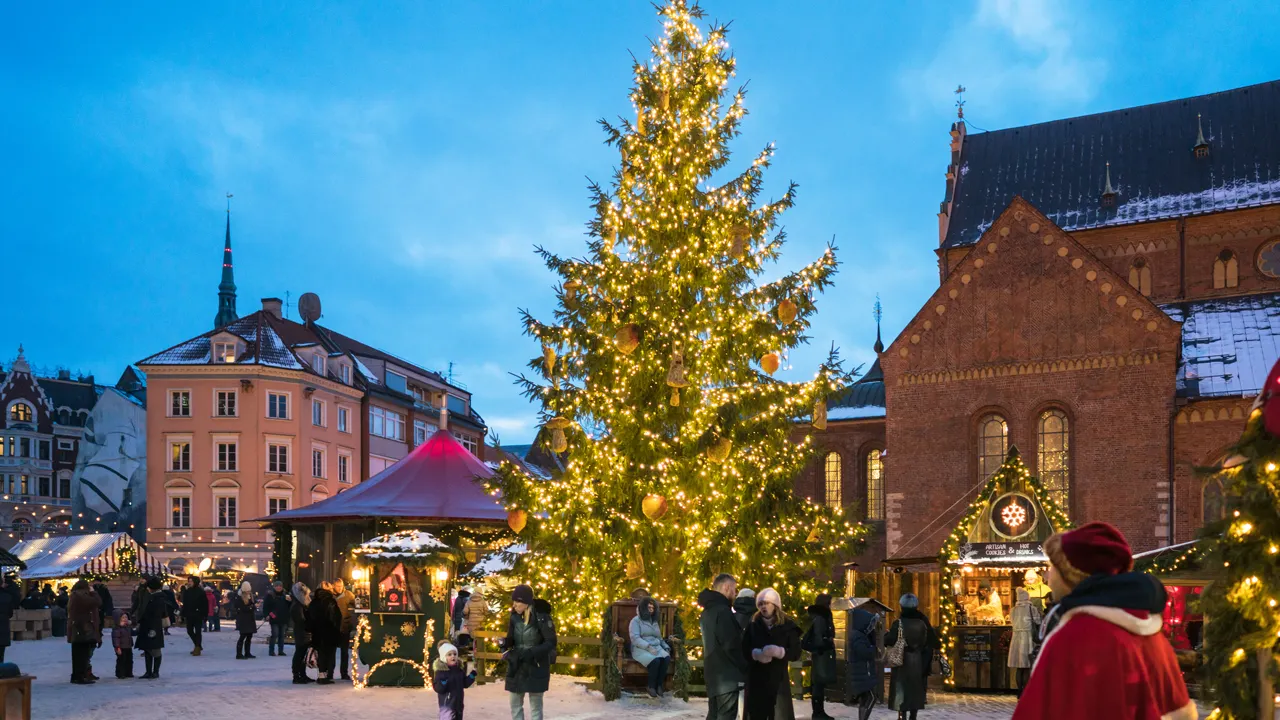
{"type": "Point", "coordinates": [944, 665]}
{"type": "Point", "coordinates": [311, 658]}
{"type": "Point", "coordinates": [893, 654]}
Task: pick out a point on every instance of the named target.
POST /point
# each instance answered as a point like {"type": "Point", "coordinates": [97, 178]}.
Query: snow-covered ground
{"type": "Point", "coordinates": [217, 685]}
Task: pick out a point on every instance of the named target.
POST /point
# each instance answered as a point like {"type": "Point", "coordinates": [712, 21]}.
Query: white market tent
{"type": "Point", "coordinates": [75, 555]}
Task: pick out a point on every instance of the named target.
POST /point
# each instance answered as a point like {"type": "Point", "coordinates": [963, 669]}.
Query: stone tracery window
{"type": "Point", "coordinates": [1053, 439]}
{"type": "Point", "coordinates": [1226, 271]}
{"type": "Point", "coordinates": [1140, 276]}
{"type": "Point", "coordinates": [993, 444]}
{"type": "Point", "coordinates": [834, 475]}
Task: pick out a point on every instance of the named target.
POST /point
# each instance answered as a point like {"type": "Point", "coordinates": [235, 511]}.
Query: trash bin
{"type": "Point", "coordinates": [58, 622]}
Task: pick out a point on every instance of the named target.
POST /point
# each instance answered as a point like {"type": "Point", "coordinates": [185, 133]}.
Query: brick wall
{"type": "Point", "coordinates": [1202, 431]}
{"type": "Point", "coordinates": [852, 440]}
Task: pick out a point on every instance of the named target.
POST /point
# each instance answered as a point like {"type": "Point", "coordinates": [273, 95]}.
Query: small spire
{"type": "Point", "coordinates": [877, 312]}
{"type": "Point", "coordinates": [1201, 148]}
{"type": "Point", "coordinates": [227, 288]}
{"type": "Point", "coordinates": [1108, 192]}
{"type": "Point", "coordinates": [20, 363]}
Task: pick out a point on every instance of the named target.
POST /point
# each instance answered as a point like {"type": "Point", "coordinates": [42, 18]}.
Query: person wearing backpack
{"type": "Point", "coordinates": [820, 642]}
{"type": "Point", "coordinates": [908, 681]}
{"type": "Point", "coordinates": [864, 682]}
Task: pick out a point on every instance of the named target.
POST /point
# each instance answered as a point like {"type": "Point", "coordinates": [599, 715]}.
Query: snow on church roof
{"type": "Point", "coordinates": [1228, 345]}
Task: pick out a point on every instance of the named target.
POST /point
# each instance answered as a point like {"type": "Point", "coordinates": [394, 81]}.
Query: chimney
{"type": "Point", "coordinates": [273, 306]}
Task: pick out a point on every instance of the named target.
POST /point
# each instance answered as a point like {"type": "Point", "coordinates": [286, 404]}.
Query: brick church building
{"type": "Point", "coordinates": [1109, 303]}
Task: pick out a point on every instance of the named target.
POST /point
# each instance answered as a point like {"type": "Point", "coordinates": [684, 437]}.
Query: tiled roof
{"type": "Point", "coordinates": [263, 346]}
{"type": "Point", "coordinates": [1060, 166]}
{"type": "Point", "coordinates": [862, 399]}
{"type": "Point", "coordinates": [1228, 345]}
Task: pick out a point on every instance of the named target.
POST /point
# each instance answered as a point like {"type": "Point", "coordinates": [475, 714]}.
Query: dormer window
{"type": "Point", "coordinates": [224, 352]}
{"type": "Point", "coordinates": [1201, 148]}
{"type": "Point", "coordinates": [317, 363]}
{"type": "Point", "coordinates": [344, 372]}
{"type": "Point", "coordinates": [1108, 198]}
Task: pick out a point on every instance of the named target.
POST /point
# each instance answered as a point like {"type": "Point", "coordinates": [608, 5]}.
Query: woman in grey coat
{"type": "Point", "coordinates": [647, 646]}
{"type": "Point", "coordinates": [907, 683]}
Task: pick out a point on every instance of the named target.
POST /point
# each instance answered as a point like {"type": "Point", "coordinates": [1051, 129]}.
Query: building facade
{"type": "Point", "coordinates": [1109, 303]}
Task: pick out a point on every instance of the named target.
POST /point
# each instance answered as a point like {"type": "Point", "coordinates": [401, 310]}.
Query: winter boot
{"type": "Point", "coordinates": [156, 672]}
{"type": "Point", "coordinates": [150, 661]}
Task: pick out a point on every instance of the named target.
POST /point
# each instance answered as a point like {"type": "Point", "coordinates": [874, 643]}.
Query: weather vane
{"type": "Point", "coordinates": [877, 312]}
{"type": "Point", "coordinates": [229, 196]}
{"type": "Point", "coordinates": [960, 101]}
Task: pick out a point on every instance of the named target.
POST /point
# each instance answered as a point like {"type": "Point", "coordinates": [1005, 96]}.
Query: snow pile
{"type": "Point", "coordinates": [496, 562]}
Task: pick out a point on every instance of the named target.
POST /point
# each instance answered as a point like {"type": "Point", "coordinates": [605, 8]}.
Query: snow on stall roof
{"type": "Point", "coordinates": [855, 413]}
{"type": "Point", "coordinates": [499, 561]}
{"type": "Point", "coordinates": [402, 543]}
{"type": "Point", "coordinates": [1228, 345]}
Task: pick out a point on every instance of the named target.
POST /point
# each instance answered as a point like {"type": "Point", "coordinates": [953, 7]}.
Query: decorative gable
{"type": "Point", "coordinates": [1028, 299]}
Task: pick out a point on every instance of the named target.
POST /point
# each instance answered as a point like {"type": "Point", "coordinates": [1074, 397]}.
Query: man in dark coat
{"type": "Point", "coordinates": [324, 622]}
{"type": "Point", "coordinates": [170, 604]}
{"type": "Point", "coordinates": [84, 630]}
{"type": "Point", "coordinates": [723, 664]}
{"type": "Point", "coordinates": [152, 612]}
{"type": "Point", "coordinates": [865, 681]}
{"type": "Point", "coordinates": [34, 600]}
{"type": "Point", "coordinates": [195, 610]}
{"type": "Point", "coordinates": [347, 606]}
{"type": "Point", "coordinates": [275, 608]}
{"type": "Point", "coordinates": [820, 642]}
{"type": "Point", "coordinates": [529, 649]}
{"type": "Point", "coordinates": [108, 607]}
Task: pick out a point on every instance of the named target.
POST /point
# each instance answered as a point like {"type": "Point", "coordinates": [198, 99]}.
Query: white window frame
{"type": "Point", "coordinates": [170, 497]}
{"type": "Point", "coordinates": [287, 443]}
{"type": "Point", "coordinates": [234, 441]}
{"type": "Point", "coordinates": [279, 498]}
{"type": "Point", "coordinates": [324, 461]}
{"type": "Point", "coordinates": [62, 476]}
{"type": "Point", "coordinates": [317, 363]}
{"type": "Point", "coordinates": [288, 404]}
{"type": "Point", "coordinates": [219, 352]}
{"type": "Point", "coordinates": [66, 444]}
{"type": "Point", "coordinates": [322, 406]}
{"type": "Point", "coordinates": [219, 495]}
{"type": "Point", "coordinates": [428, 429]}
{"type": "Point", "coordinates": [467, 441]}
{"type": "Point", "coordinates": [344, 467]}
{"type": "Point", "coordinates": [344, 419]}
{"type": "Point", "coordinates": [172, 441]}
{"type": "Point", "coordinates": [171, 396]}
{"type": "Point", "coordinates": [217, 402]}
{"type": "Point", "coordinates": [387, 417]}
{"type": "Point", "coordinates": [402, 376]}
{"type": "Point", "coordinates": [344, 372]}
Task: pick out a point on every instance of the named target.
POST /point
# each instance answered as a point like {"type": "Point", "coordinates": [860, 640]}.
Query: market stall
{"type": "Point", "coordinates": [993, 552]}
{"type": "Point", "coordinates": [116, 559]}
{"type": "Point", "coordinates": [404, 579]}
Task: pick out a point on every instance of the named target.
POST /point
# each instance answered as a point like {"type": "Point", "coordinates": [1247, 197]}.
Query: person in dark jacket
{"type": "Point", "coordinates": [723, 664]}
{"type": "Point", "coordinates": [195, 612]}
{"type": "Point", "coordinates": [108, 607]}
{"type": "Point", "coordinates": [458, 629]}
{"type": "Point", "coordinates": [820, 642]}
{"type": "Point", "coordinates": [122, 643]}
{"type": "Point", "coordinates": [744, 607]}
{"type": "Point", "coordinates": [529, 649]}
{"type": "Point", "coordinates": [152, 612]}
{"type": "Point", "coordinates": [35, 600]}
{"type": "Point", "coordinates": [301, 638]}
{"type": "Point", "coordinates": [7, 604]}
{"type": "Point", "coordinates": [275, 608]}
{"type": "Point", "coordinates": [171, 605]}
{"type": "Point", "coordinates": [49, 597]}
{"type": "Point", "coordinates": [449, 679]}
{"type": "Point", "coordinates": [215, 618]}
{"type": "Point", "coordinates": [324, 622]}
{"type": "Point", "coordinates": [135, 599]}
{"type": "Point", "coordinates": [863, 652]}
{"type": "Point", "coordinates": [83, 630]}
{"type": "Point", "coordinates": [907, 683]}
{"type": "Point", "coordinates": [771, 642]}
{"type": "Point", "coordinates": [63, 598]}
{"type": "Point", "coordinates": [347, 606]}
{"type": "Point", "coordinates": [244, 606]}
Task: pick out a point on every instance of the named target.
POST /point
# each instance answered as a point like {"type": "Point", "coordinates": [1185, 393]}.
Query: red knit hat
{"type": "Point", "coordinates": [1092, 549]}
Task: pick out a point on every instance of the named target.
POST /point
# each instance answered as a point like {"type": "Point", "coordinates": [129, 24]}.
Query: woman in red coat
{"type": "Point", "coordinates": [1106, 657]}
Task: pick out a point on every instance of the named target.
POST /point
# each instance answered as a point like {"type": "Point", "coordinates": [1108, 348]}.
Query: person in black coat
{"type": "Point", "coordinates": [529, 649]}
{"type": "Point", "coordinates": [171, 605]}
{"type": "Point", "coordinates": [450, 680]}
{"type": "Point", "coordinates": [301, 638]}
{"type": "Point", "coordinates": [862, 663]}
{"type": "Point", "coordinates": [244, 606]}
{"type": "Point", "coordinates": [195, 610]}
{"type": "Point", "coordinates": [770, 643]}
{"type": "Point", "coordinates": [744, 607]}
{"type": "Point", "coordinates": [820, 642]}
{"type": "Point", "coordinates": [908, 683]}
{"type": "Point", "coordinates": [108, 607]}
{"type": "Point", "coordinates": [723, 664]}
{"type": "Point", "coordinates": [64, 598]}
{"type": "Point", "coordinates": [275, 609]}
{"type": "Point", "coordinates": [7, 604]}
{"type": "Point", "coordinates": [34, 600]}
{"type": "Point", "coordinates": [152, 612]}
{"type": "Point", "coordinates": [324, 622]}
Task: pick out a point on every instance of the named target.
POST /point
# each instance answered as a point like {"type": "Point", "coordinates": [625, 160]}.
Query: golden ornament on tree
{"type": "Point", "coordinates": [770, 363]}
{"type": "Point", "coordinates": [654, 506]}
{"type": "Point", "coordinates": [640, 122]}
{"type": "Point", "coordinates": [820, 414]}
{"type": "Point", "coordinates": [559, 443]}
{"type": "Point", "coordinates": [548, 359]}
{"type": "Point", "coordinates": [627, 339]}
{"type": "Point", "coordinates": [516, 520]}
{"type": "Point", "coordinates": [610, 237]}
{"type": "Point", "coordinates": [675, 377]}
{"type": "Point", "coordinates": [719, 450]}
{"type": "Point", "coordinates": [664, 99]}
{"type": "Point", "coordinates": [787, 311]}
{"type": "Point", "coordinates": [739, 235]}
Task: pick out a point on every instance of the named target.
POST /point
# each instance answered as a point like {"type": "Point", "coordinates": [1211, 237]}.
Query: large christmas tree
{"type": "Point", "coordinates": [655, 377]}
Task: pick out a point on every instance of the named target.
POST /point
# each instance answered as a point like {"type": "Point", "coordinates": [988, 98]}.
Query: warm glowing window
{"type": "Point", "coordinates": [1226, 271]}
{"type": "Point", "coordinates": [1055, 455]}
{"type": "Point", "coordinates": [835, 478]}
{"type": "Point", "coordinates": [1140, 276]}
{"type": "Point", "coordinates": [180, 456]}
{"type": "Point", "coordinates": [993, 444]}
{"type": "Point", "coordinates": [20, 412]}
{"type": "Point", "coordinates": [875, 485]}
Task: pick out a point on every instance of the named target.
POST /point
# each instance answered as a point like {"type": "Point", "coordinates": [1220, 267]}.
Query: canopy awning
{"type": "Point", "coordinates": [76, 555]}
{"type": "Point", "coordinates": [437, 482]}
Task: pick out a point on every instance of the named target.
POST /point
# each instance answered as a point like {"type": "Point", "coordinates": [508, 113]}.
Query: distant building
{"type": "Point", "coordinates": [262, 414]}
{"type": "Point", "coordinates": [72, 453]}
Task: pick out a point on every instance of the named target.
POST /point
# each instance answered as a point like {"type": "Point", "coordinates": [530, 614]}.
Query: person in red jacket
{"type": "Point", "coordinates": [1106, 657]}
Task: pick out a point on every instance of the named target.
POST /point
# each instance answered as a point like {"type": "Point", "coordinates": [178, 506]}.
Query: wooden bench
{"type": "Point", "coordinates": [20, 684]}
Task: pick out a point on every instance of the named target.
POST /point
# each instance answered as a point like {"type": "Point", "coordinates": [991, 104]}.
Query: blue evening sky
{"type": "Point", "coordinates": [402, 159]}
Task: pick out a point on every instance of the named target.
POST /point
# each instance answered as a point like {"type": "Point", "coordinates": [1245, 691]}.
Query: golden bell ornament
{"type": "Point", "coordinates": [627, 339]}
{"type": "Point", "coordinates": [820, 414]}
{"type": "Point", "coordinates": [640, 123]}
{"type": "Point", "coordinates": [664, 99]}
{"type": "Point", "coordinates": [738, 237]}
{"type": "Point", "coordinates": [548, 359]}
{"type": "Point", "coordinates": [787, 311]}
{"type": "Point", "coordinates": [770, 363]}
{"type": "Point", "coordinates": [654, 506]}
{"type": "Point", "coordinates": [675, 377]}
{"type": "Point", "coordinates": [516, 520]}
{"type": "Point", "coordinates": [719, 451]}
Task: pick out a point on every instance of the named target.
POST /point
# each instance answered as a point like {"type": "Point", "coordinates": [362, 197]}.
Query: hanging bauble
{"type": "Point", "coordinates": [654, 506]}
{"type": "Point", "coordinates": [627, 339]}
{"type": "Point", "coordinates": [675, 377]}
{"type": "Point", "coordinates": [770, 362]}
{"type": "Point", "coordinates": [719, 450]}
{"type": "Point", "coordinates": [516, 520]}
{"type": "Point", "coordinates": [610, 237]}
{"type": "Point", "coordinates": [635, 564]}
{"type": "Point", "coordinates": [559, 443]}
{"type": "Point", "coordinates": [820, 414]}
{"type": "Point", "coordinates": [640, 122]}
{"type": "Point", "coordinates": [664, 99]}
{"type": "Point", "coordinates": [548, 359]}
{"type": "Point", "coordinates": [786, 311]}
{"type": "Point", "coordinates": [739, 235]}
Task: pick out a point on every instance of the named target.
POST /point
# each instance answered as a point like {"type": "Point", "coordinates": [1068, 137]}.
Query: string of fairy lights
{"type": "Point", "coordinates": [655, 376]}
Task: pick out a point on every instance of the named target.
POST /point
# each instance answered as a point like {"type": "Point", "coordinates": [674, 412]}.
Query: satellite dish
{"type": "Point", "coordinates": [309, 307]}
{"type": "Point", "coordinates": [204, 564]}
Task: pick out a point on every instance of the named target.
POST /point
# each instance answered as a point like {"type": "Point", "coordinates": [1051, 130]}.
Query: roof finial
{"type": "Point", "coordinates": [1201, 148]}
{"type": "Point", "coordinates": [959, 101]}
{"type": "Point", "coordinates": [1108, 192]}
{"type": "Point", "coordinates": [877, 312]}
{"type": "Point", "coordinates": [20, 364]}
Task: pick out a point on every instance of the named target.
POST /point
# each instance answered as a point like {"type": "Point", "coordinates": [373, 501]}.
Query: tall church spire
{"type": "Point", "coordinates": [227, 288]}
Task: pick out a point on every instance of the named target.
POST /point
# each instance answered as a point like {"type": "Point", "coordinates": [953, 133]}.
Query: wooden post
{"type": "Point", "coordinates": [1266, 695]}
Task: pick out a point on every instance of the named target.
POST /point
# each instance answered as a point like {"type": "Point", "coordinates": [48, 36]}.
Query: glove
{"type": "Point", "coordinates": [761, 655]}
{"type": "Point", "coordinates": [777, 651]}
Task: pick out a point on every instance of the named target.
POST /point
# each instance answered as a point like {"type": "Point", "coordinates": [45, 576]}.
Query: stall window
{"type": "Point", "coordinates": [993, 444]}
{"type": "Point", "coordinates": [875, 485]}
{"type": "Point", "coordinates": [834, 477]}
{"type": "Point", "coordinates": [399, 590]}
{"type": "Point", "coordinates": [1055, 456]}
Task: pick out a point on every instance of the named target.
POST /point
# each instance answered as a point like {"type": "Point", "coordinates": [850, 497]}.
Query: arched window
{"type": "Point", "coordinates": [1226, 271]}
{"type": "Point", "coordinates": [993, 444]}
{"type": "Point", "coordinates": [20, 412]}
{"type": "Point", "coordinates": [875, 485]}
{"type": "Point", "coordinates": [1212, 501]}
{"type": "Point", "coordinates": [1140, 276]}
{"type": "Point", "coordinates": [1053, 436]}
{"type": "Point", "coordinates": [834, 475]}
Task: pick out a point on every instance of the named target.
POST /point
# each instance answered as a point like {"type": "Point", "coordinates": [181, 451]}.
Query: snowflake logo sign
{"type": "Point", "coordinates": [1013, 516]}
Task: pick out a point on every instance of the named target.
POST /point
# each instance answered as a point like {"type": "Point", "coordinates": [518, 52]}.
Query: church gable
{"type": "Point", "coordinates": [1027, 299]}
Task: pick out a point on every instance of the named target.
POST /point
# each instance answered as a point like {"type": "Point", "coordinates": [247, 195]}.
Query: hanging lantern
{"type": "Point", "coordinates": [516, 520]}
{"type": "Point", "coordinates": [627, 339]}
{"type": "Point", "coordinates": [548, 359]}
{"type": "Point", "coordinates": [559, 443]}
{"type": "Point", "coordinates": [786, 311]}
{"type": "Point", "coordinates": [820, 414]}
{"type": "Point", "coordinates": [664, 99]}
{"type": "Point", "coordinates": [654, 506]}
{"type": "Point", "coordinates": [770, 363]}
{"type": "Point", "coordinates": [719, 450]}
{"type": "Point", "coordinates": [738, 237]}
{"type": "Point", "coordinates": [675, 377]}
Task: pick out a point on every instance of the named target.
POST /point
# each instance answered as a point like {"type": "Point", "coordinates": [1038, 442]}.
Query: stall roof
{"type": "Point", "coordinates": [73, 555]}
{"type": "Point", "coordinates": [402, 545]}
{"type": "Point", "coordinates": [8, 559]}
{"type": "Point", "coordinates": [437, 481]}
